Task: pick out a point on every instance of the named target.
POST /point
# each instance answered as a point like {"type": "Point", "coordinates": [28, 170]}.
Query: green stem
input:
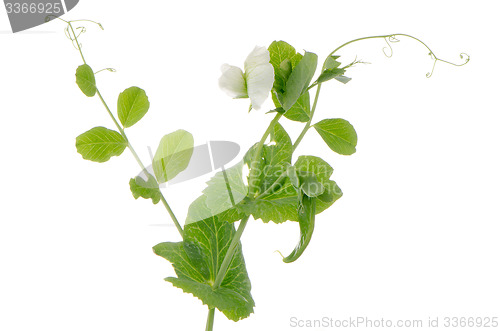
{"type": "Point", "coordinates": [210, 319]}
{"type": "Point", "coordinates": [170, 212]}
{"type": "Point", "coordinates": [77, 43]}
{"type": "Point", "coordinates": [229, 254]}
{"type": "Point", "coordinates": [112, 116]}
{"type": "Point", "coordinates": [129, 145]}
{"type": "Point", "coordinates": [308, 124]}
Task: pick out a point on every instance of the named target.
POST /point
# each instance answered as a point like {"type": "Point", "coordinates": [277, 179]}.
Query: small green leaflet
{"type": "Point", "coordinates": [338, 134]}
{"type": "Point", "coordinates": [173, 155]}
{"type": "Point", "coordinates": [100, 144]}
{"type": "Point", "coordinates": [331, 62]}
{"type": "Point", "coordinates": [197, 260]}
{"type": "Point", "coordinates": [133, 104]}
{"type": "Point", "coordinates": [332, 70]}
{"type": "Point", "coordinates": [306, 212]}
{"type": "Point", "coordinates": [145, 189]}
{"type": "Point", "coordinates": [85, 80]}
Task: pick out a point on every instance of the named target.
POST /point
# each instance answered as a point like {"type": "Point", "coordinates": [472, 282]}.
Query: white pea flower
{"type": "Point", "coordinates": [255, 83]}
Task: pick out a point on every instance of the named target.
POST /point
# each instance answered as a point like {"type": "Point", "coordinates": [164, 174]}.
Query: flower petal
{"type": "Point", "coordinates": [259, 83]}
{"type": "Point", "coordinates": [232, 82]}
{"type": "Point", "coordinates": [259, 56]}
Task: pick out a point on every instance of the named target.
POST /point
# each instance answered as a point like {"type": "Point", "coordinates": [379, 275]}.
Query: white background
{"type": "Point", "coordinates": [416, 234]}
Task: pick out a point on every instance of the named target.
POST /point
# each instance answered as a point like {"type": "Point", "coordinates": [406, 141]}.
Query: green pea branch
{"type": "Point", "coordinates": [72, 36]}
{"type": "Point", "coordinates": [209, 261]}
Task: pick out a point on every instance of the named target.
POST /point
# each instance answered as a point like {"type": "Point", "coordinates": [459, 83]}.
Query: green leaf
{"type": "Point", "coordinates": [280, 51]}
{"type": "Point", "coordinates": [133, 104]}
{"type": "Point", "coordinates": [299, 79]}
{"type": "Point", "coordinates": [100, 144]}
{"type": "Point", "coordinates": [307, 212]}
{"type": "Point", "coordinates": [145, 189]}
{"type": "Point", "coordinates": [173, 155]}
{"type": "Point", "coordinates": [331, 62]}
{"type": "Point", "coordinates": [301, 110]}
{"type": "Point", "coordinates": [197, 260]}
{"type": "Point", "coordinates": [338, 134]}
{"type": "Point", "coordinates": [85, 80]}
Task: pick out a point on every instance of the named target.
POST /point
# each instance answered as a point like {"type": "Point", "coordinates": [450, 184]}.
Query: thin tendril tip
{"type": "Point", "coordinates": [108, 69]}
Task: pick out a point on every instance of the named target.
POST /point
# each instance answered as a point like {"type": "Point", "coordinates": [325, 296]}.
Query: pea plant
{"type": "Point", "coordinates": [270, 183]}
